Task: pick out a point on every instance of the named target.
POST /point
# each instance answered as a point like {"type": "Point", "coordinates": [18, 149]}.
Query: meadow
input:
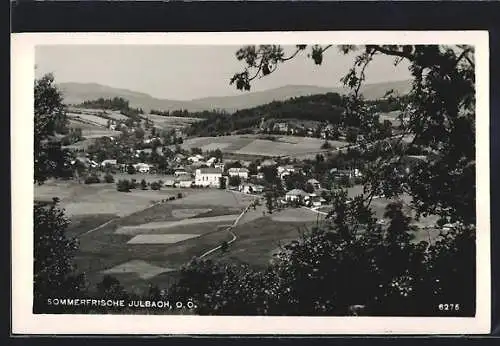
{"type": "Point", "coordinates": [136, 238]}
{"type": "Point", "coordinates": [259, 145]}
{"type": "Point", "coordinates": [170, 121]}
{"type": "Point", "coordinates": [89, 118]}
{"type": "Point", "coordinates": [141, 240]}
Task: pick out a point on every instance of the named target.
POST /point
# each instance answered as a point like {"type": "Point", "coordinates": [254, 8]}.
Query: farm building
{"type": "Point", "coordinates": [179, 157]}
{"type": "Point", "coordinates": [281, 127]}
{"type": "Point", "coordinates": [296, 195]}
{"type": "Point", "coordinates": [109, 162]}
{"type": "Point", "coordinates": [211, 161]}
{"type": "Point", "coordinates": [185, 181]}
{"type": "Point", "coordinates": [208, 177]}
{"type": "Point", "coordinates": [251, 188]}
{"type": "Point", "coordinates": [240, 172]}
{"type": "Point", "coordinates": [142, 167]}
{"type": "Point", "coordinates": [285, 170]}
{"type": "Point", "coordinates": [169, 182]}
{"type": "Point", "coordinates": [315, 201]}
{"type": "Point", "coordinates": [195, 158]}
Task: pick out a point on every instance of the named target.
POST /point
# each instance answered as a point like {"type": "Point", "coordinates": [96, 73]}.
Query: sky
{"type": "Point", "coordinates": [190, 72]}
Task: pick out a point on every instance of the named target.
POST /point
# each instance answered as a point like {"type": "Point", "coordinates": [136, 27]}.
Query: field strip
{"type": "Point", "coordinates": [171, 224]}
{"type": "Point", "coordinates": [117, 218]}
{"type": "Point", "coordinates": [316, 211]}
{"type": "Point", "coordinates": [229, 229]}
{"type": "Point", "coordinates": [161, 238]}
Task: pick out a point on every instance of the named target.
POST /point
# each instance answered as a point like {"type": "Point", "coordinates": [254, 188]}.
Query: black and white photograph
{"type": "Point", "coordinates": [214, 178]}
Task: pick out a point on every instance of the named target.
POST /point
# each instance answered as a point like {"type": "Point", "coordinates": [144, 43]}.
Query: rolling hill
{"type": "Point", "coordinates": [75, 93]}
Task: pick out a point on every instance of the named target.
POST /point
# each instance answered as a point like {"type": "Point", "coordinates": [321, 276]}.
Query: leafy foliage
{"type": "Point", "coordinates": [155, 186]}
{"type": "Point", "coordinates": [50, 160]}
{"type": "Point", "coordinates": [92, 179]}
{"type": "Point", "coordinates": [54, 272]}
{"type": "Point", "coordinates": [108, 178]}
{"type": "Point", "coordinates": [374, 269]}
{"type": "Point", "coordinates": [354, 265]}
{"type": "Point", "coordinates": [123, 185]}
{"type": "Point", "coordinates": [439, 114]}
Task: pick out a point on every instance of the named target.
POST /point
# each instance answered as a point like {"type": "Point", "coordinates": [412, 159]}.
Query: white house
{"type": "Point", "coordinates": [208, 177]}
{"type": "Point", "coordinates": [251, 188]}
{"type": "Point", "coordinates": [296, 195]}
{"type": "Point", "coordinates": [314, 200]}
{"type": "Point", "coordinates": [142, 167]}
{"type": "Point", "coordinates": [211, 161]}
{"type": "Point", "coordinates": [108, 163]}
{"type": "Point", "coordinates": [283, 171]}
{"type": "Point", "coordinates": [240, 172]}
{"type": "Point", "coordinates": [169, 182]}
{"type": "Point", "coordinates": [195, 158]}
{"type": "Point", "coordinates": [185, 181]}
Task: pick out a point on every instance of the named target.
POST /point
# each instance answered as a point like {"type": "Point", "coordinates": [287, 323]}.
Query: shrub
{"type": "Point", "coordinates": [179, 195]}
{"type": "Point", "coordinates": [155, 186]}
{"type": "Point", "coordinates": [224, 246]}
{"type": "Point", "coordinates": [326, 145]}
{"type": "Point", "coordinates": [123, 186]}
{"type": "Point", "coordinates": [108, 178]}
{"type": "Point", "coordinates": [92, 179]}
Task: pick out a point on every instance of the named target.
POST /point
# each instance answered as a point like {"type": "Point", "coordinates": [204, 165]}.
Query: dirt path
{"type": "Point", "coordinates": [230, 230]}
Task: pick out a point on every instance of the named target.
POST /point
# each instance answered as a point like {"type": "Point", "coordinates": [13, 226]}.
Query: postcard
{"type": "Point", "coordinates": [284, 183]}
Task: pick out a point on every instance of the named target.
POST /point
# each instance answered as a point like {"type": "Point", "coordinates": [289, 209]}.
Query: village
{"type": "Point", "coordinates": [154, 156]}
{"type": "Point", "coordinates": [295, 181]}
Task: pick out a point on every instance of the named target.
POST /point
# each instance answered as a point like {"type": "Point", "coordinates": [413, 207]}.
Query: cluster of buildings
{"type": "Point", "coordinates": [325, 131]}
{"type": "Point", "coordinates": [206, 176]}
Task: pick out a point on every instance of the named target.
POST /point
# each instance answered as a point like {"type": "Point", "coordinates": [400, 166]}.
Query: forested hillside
{"type": "Point", "coordinates": [323, 108]}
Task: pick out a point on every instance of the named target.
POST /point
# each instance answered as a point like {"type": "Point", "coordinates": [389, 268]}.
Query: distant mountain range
{"type": "Point", "coordinates": [75, 93]}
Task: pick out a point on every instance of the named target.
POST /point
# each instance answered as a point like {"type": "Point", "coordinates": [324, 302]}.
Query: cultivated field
{"type": "Point", "coordinates": [255, 145]}
{"type": "Point", "coordinates": [171, 122]}
{"type": "Point", "coordinates": [260, 238]}
{"type": "Point", "coordinates": [74, 123]}
{"type": "Point", "coordinates": [100, 133]}
{"type": "Point", "coordinates": [90, 118]}
{"type": "Point", "coordinates": [115, 115]}
{"type": "Point", "coordinates": [138, 241]}
{"type": "Point", "coordinates": [91, 130]}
